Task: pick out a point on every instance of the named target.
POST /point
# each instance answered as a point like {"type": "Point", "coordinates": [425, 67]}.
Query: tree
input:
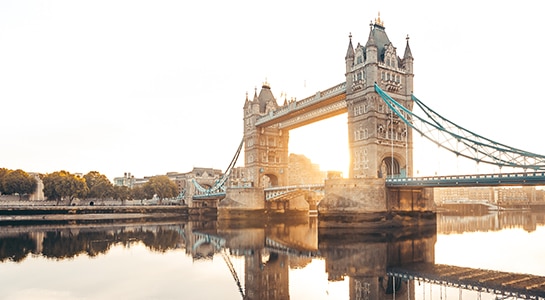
{"type": "Point", "coordinates": [138, 193]}
{"type": "Point", "coordinates": [99, 186]}
{"type": "Point", "coordinates": [122, 193]}
{"type": "Point", "coordinates": [62, 185]}
{"type": "Point", "coordinates": [3, 173]}
{"type": "Point", "coordinates": [162, 186]}
{"type": "Point", "coordinates": [18, 182]}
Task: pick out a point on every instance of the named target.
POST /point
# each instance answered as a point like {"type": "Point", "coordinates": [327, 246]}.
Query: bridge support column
{"type": "Point", "coordinates": [368, 203]}
{"type": "Point", "coordinates": [410, 198]}
{"type": "Point", "coordinates": [241, 203]}
{"type": "Point", "coordinates": [249, 203]}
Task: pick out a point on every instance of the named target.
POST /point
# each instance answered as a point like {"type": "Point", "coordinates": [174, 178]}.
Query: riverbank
{"type": "Point", "coordinates": [34, 214]}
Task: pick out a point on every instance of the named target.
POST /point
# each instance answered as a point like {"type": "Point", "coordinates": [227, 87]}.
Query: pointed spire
{"type": "Point", "coordinates": [255, 93]}
{"type": "Point", "coordinates": [350, 51]}
{"type": "Point", "coordinates": [371, 39]}
{"type": "Point", "coordinates": [408, 53]}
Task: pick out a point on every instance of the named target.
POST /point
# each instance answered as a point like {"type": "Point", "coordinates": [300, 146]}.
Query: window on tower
{"type": "Point", "coordinates": [359, 59]}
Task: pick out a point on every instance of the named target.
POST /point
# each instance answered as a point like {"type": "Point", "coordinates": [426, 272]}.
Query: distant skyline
{"type": "Point", "coordinates": [155, 87]}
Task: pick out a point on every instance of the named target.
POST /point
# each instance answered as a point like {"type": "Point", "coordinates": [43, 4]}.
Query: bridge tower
{"type": "Point", "coordinates": [380, 144]}
{"type": "Point", "coordinates": [265, 148]}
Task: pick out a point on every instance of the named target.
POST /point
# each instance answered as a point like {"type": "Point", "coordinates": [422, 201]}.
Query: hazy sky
{"type": "Point", "coordinates": [149, 87]}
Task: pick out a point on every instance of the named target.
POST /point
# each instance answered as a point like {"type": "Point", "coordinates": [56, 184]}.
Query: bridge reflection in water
{"type": "Point", "coordinates": [382, 264]}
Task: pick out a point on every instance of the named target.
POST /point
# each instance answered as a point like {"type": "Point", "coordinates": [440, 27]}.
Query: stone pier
{"type": "Point", "coordinates": [368, 203]}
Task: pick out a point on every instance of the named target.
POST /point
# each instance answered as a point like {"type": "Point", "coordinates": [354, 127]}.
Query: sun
{"type": "Point", "coordinates": [325, 143]}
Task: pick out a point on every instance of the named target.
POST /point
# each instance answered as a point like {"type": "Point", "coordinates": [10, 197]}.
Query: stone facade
{"type": "Point", "coordinates": [302, 171]}
{"type": "Point", "coordinates": [380, 143]}
{"type": "Point", "coordinates": [265, 149]}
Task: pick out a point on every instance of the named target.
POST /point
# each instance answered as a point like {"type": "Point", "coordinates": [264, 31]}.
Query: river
{"type": "Point", "coordinates": [279, 260]}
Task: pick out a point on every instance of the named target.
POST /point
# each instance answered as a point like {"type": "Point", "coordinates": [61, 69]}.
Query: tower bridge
{"type": "Point", "coordinates": [377, 97]}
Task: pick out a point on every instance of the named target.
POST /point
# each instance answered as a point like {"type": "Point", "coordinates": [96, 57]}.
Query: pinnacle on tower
{"type": "Point", "coordinates": [408, 53]}
{"type": "Point", "coordinates": [350, 51]}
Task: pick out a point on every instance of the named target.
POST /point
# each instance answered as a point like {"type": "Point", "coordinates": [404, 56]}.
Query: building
{"type": "Point", "coordinates": [302, 171]}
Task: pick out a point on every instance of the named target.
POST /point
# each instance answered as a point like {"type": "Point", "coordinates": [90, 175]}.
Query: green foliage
{"type": "Point", "coordinates": [18, 182]}
{"type": "Point", "coordinates": [121, 193]}
{"type": "Point", "coordinates": [3, 172]}
{"type": "Point", "coordinates": [63, 185]}
{"type": "Point", "coordinates": [161, 186]}
{"type": "Point", "coordinates": [138, 193]}
{"type": "Point", "coordinates": [99, 186]}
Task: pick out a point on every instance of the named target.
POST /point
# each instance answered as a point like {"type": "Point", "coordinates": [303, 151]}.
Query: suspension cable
{"type": "Point", "coordinates": [220, 184]}
{"type": "Point", "coordinates": [476, 147]}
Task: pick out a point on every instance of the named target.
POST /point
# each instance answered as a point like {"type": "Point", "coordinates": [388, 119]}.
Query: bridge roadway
{"type": "Point", "coordinates": [503, 179]}
{"type": "Point", "coordinates": [475, 180]}
{"type": "Point", "coordinates": [523, 286]}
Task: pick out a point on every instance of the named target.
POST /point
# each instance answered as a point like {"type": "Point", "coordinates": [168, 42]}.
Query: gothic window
{"type": "Point", "coordinates": [359, 76]}
{"type": "Point", "coordinates": [381, 108]}
{"type": "Point", "coordinates": [365, 159]}
{"type": "Point", "coordinates": [251, 158]}
{"type": "Point", "coordinates": [380, 130]}
{"type": "Point", "coordinates": [359, 59]}
{"type": "Point", "coordinates": [361, 133]}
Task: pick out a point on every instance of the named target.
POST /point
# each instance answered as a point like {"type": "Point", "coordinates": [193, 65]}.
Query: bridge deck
{"type": "Point", "coordinates": [509, 284]}
{"type": "Point", "coordinates": [505, 179]}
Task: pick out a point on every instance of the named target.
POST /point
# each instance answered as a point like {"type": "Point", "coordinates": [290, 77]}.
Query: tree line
{"type": "Point", "coordinates": [65, 186]}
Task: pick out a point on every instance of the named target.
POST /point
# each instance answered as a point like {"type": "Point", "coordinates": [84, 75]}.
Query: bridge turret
{"type": "Point", "coordinates": [371, 58]}
{"type": "Point", "coordinates": [266, 147]}
{"type": "Point", "coordinates": [349, 60]}
{"type": "Point", "coordinates": [408, 66]}
{"type": "Point", "coordinates": [379, 145]}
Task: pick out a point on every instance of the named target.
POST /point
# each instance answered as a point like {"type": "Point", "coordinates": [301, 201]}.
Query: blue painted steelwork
{"type": "Point", "coordinates": [461, 141]}
{"type": "Point", "coordinates": [218, 190]}
{"type": "Point", "coordinates": [505, 179]}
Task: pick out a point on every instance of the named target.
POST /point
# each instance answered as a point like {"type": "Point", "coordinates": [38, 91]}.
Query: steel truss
{"type": "Point", "coordinates": [460, 141]}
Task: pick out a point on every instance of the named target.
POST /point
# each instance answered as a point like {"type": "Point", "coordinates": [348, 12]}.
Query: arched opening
{"type": "Point", "coordinates": [269, 180]}
{"type": "Point", "coordinates": [389, 168]}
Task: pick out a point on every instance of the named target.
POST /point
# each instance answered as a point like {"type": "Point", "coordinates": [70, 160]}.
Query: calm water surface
{"type": "Point", "coordinates": [210, 260]}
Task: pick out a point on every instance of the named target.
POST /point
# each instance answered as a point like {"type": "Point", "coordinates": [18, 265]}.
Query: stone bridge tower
{"type": "Point", "coordinates": [380, 143]}
{"type": "Point", "coordinates": [265, 148]}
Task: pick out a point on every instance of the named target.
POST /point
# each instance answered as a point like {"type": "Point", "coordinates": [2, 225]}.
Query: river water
{"type": "Point", "coordinates": [278, 260]}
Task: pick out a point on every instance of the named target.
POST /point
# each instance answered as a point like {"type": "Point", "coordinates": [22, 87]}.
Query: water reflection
{"type": "Point", "coordinates": [261, 258]}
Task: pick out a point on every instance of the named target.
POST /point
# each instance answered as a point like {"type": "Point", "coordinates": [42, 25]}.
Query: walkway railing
{"type": "Point", "coordinates": [505, 179]}
{"type": "Point", "coordinates": [319, 96]}
{"type": "Point", "coordinates": [273, 192]}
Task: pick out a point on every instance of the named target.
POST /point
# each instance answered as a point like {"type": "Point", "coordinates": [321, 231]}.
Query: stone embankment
{"type": "Point", "coordinates": [14, 212]}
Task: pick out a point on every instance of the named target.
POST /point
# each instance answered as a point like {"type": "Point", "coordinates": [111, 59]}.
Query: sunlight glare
{"type": "Point", "coordinates": [325, 143]}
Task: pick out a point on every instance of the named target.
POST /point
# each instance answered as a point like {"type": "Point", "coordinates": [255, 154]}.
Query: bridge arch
{"type": "Point", "coordinates": [391, 166]}
{"type": "Point", "coordinates": [269, 180]}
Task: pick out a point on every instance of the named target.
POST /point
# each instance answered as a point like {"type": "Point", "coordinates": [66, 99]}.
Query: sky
{"type": "Point", "coordinates": [150, 87]}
